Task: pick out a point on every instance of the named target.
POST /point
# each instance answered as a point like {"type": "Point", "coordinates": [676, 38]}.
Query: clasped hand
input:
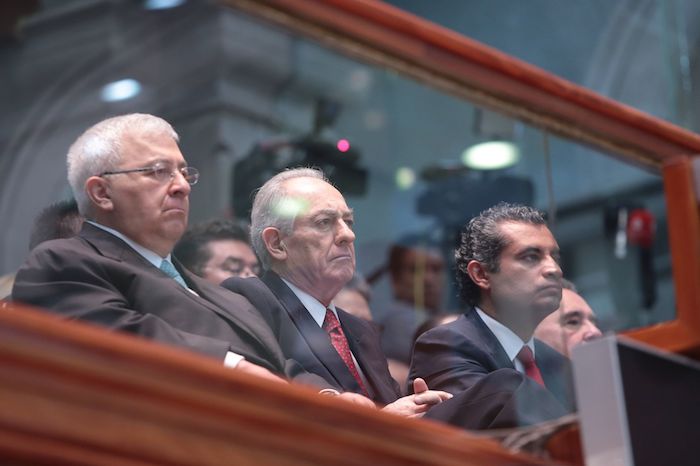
{"type": "Point", "coordinates": [419, 403]}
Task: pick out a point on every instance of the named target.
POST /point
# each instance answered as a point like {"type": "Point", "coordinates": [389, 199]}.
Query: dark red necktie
{"type": "Point", "coordinates": [340, 343]}
{"type": "Point", "coordinates": [531, 370]}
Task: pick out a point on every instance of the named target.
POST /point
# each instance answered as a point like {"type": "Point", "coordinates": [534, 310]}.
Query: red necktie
{"type": "Point", "coordinates": [340, 343]}
{"type": "Point", "coordinates": [531, 370]}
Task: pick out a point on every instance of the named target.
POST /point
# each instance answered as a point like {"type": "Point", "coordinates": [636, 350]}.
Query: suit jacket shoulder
{"type": "Point", "coordinates": [452, 357]}
{"type": "Point", "coordinates": [455, 356]}
{"type": "Point", "coordinates": [98, 278]}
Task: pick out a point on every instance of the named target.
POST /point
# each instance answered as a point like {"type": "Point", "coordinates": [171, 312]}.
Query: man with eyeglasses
{"type": "Point", "coordinates": [132, 184]}
{"type": "Point", "coordinates": [218, 249]}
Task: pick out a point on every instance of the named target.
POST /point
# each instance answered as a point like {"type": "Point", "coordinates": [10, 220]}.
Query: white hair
{"type": "Point", "coordinates": [268, 208]}
{"type": "Point", "coordinates": [99, 149]}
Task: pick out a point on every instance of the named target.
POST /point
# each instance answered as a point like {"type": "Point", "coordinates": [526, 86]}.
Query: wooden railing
{"type": "Point", "coordinates": [72, 393]}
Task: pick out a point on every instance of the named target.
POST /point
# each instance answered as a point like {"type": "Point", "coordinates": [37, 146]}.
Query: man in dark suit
{"type": "Point", "coordinates": [301, 229]}
{"type": "Point", "coordinates": [508, 271]}
{"type": "Point", "coordinates": [132, 185]}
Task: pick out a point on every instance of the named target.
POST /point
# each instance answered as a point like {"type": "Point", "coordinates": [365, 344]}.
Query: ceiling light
{"type": "Point", "coordinates": [161, 4]}
{"type": "Point", "coordinates": [405, 178]}
{"type": "Point", "coordinates": [491, 155]}
{"type": "Point", "coordinates": [120, 90]}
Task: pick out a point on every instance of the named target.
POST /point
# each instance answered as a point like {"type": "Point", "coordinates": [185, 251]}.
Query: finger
{"type": "Point", "coordinates": [429, 398]}
{"type": "Point", "coordinates": [419, 385]}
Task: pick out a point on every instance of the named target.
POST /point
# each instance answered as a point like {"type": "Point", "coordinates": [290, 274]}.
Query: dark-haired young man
{"type": "Point", "coordinates": [509, 274]}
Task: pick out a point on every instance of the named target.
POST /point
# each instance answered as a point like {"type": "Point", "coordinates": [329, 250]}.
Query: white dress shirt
{"type": "Point", "coordinates": [511, 343]}
{"type": "Point", "coordinates": [318, 313]}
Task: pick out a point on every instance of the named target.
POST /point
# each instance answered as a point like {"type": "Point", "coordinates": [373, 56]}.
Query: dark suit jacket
{"type": "Point", "coordinates": [457, 356]}
{"type": "Point", "coordinates": [303, 340]}
{"type": "Point", "coordinates": [96, 277]}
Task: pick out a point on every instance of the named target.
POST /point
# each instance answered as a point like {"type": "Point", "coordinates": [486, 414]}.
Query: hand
{"type": "Point", "coordinates": [258, 371]}
{"type": "Point", "coordinates": [357, 399]}
{"type": "Point", "coordinates": [419, 403]}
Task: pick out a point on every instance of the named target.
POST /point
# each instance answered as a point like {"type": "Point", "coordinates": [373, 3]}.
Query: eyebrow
{"type": "Point", "coordinates": [335, 213]}
{"type": "Point", "coordinates": [528, 249]}
{"type": "Point", "coordinates": [166, 162]}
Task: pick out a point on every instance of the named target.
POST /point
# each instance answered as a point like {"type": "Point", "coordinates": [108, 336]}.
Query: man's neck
{"type": "Point", "coordinates": [320, 293]}
{"type": "Point", "coordinates": [517, 321]}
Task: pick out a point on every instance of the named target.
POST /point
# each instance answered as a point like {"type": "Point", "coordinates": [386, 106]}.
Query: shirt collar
{"type": "Point", "coordinates": [313, 305]}
{"type": "Point", "coordinates": [510, 342]}
{"type": "Point", "coordinates": [147, 254]}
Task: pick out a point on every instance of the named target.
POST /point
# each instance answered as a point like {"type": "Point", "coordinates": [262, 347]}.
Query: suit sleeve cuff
{"type": "Point", "coordinates": [232, 359]}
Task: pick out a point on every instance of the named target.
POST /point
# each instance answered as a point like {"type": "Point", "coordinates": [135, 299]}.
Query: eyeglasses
{"type": "Point", "coordinates": [162, 172]}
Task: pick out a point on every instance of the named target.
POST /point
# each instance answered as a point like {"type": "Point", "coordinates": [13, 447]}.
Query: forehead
{"type": "Point", "coordinates": [150, 147]}
{"type": "Point", "coordinates": [223, 248]}
{"type": "Point", "coordinates": [520, 235]}
{"type": "Point", "coordinates": [571, 302]}
{"type": "Point", "coordinates": [413, 255]}
{"type": "Point", "coordinates": [314, 195]}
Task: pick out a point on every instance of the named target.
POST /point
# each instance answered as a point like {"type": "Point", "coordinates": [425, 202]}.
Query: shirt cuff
{"type": "Point", "coordinates": [232, 359]}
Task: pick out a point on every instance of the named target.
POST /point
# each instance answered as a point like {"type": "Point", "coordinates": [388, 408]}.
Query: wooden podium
{"type": "Point", "coordinates": [72, 393]}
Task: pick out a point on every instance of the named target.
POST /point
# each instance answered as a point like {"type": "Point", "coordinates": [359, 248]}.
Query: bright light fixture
{"type": "Point", "coordinates": [405, 178]}
{"type": "Point", "coordinates": [491, 155]}
{"type": "Point", "coordinates": [161, 4]}
{"type": "Point", "coordinates": [120, 90]}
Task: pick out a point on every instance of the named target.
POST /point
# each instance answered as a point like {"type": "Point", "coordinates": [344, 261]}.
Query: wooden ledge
{"type": "Point", "coordinates": [72, 393]}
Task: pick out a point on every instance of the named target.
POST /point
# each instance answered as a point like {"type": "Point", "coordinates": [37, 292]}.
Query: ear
{"type": "Point", "coordinates": [98, 192]}
{"type": "Point", "coordinates": [274, 244]}
{"type": "Point", "coordinates": [479, 275]}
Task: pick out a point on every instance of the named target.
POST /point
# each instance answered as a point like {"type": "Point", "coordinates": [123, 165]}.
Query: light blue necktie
{"type": "Point", "coordinates": [170, 270]}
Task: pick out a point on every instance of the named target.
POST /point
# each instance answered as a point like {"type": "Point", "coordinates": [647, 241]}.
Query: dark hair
{"type": "Point", "coordinates": [482, 240]}
{"type": "Point", "coordinates": [192, 248]}
{"type": "Point", "coordinates": [59, 220]}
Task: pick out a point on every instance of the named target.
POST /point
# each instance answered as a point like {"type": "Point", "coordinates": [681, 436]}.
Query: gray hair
{"type": "Point", "coordinates": [268, 209]}
{"type": "Point", "coordinates": [99, 149]}
{"type": "Point", "coordinates": [482, 241]}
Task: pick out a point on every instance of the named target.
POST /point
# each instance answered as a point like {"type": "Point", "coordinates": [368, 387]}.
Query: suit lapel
{"type": "Point", "coordinates": [358, 339]}
{"type": "Point", "coordinates": [315, 336]}
{"type": "Point", "coordinates": [490, 342]}
{"type": "Point", "coordinates": [114, 248]}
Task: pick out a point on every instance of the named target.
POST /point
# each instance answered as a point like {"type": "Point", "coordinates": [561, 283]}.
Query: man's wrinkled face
{"type": "Point", "coordinates": [320, 251]}
{"type": "Point", "coordinates": [148, 210]}
{"type": "Point", "coordinates": [573, 323]}
{"type": "Point", "coordinates": [229, 258]}
{"type": "Point", "coordinates": [527, 284]}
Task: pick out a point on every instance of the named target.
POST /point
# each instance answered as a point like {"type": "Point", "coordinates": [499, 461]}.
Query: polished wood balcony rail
{"type": "Point", "coordinates": [72, 393]}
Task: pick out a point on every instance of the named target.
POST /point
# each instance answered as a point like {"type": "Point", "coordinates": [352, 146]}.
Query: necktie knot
{"type": "Point", "coordinates": [170, 270]}
{"type": "Point", "coordinates": [330, 322]}
{"type": "Point", "coordinates": [526, 357]}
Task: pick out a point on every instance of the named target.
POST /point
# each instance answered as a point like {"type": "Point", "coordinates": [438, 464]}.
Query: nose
{"type": "Point", "coordinates": [552, 269]}
{"type": "Point", "coordinates": [591, 332]}
{"type": "Point", "coordinates": [344, 233]}
{"type": "Point", "coordinates": [179, 185]}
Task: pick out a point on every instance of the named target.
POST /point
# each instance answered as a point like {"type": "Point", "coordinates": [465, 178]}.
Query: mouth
{"type": "Point", "coordinates": [342, 257]}
{"type": "Point", "coordinates": [551, 289]}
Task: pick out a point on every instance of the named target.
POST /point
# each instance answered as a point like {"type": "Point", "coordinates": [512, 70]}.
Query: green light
{"type": "Point", "coordinates": [405, 178]}
{"type": "Point", "coordinates": [491, 155]}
